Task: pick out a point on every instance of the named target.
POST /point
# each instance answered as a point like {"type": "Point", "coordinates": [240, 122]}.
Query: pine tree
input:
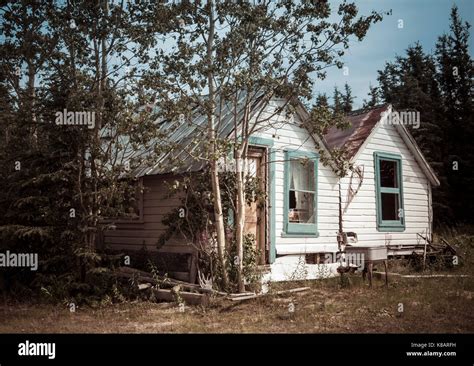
{"type": "Point", "coordinates": [35, 195]}
{"type": "Point", "coordinates": [347, 99]}
{"type": "Point", "coordinates": [440, 88]}
{"type": "Point", "coordinates": [58, 181]}
{"type": "Point", "coordinates": [337, 100]}
{"type": "Point", "coordinates": [374, 97]}
{"type": "Point", "coordinates": [455, 80]}
{"type": "Point", "coordinates": [410, 83]}
{"type": "Point", "coordinates": [322, 100]}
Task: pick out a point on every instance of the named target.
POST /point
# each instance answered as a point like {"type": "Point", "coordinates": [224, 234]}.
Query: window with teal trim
{"type": "Point", "coordinates": [300, 208]}
{"type": "Point", "coordinates": [389, 192]}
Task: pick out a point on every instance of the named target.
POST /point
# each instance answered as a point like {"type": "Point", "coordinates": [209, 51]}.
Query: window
{"type": "Point", "coordinates": [389, 192]}
{"type": "Point", "coordinates": [300, 207]}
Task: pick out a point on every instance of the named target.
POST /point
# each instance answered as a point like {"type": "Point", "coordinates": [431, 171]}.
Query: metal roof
{"type": "Point", "coordinates": [183, 149]}
{"type": "Point", "coordinates": [184, 144]}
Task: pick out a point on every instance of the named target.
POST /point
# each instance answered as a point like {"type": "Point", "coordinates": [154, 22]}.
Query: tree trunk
{"type": "Point", "coordinates": [219, 219]}
{"type": "Point", "coordinates": [240, 214]}
{"type": "Point", "coordinates": [217, 202]}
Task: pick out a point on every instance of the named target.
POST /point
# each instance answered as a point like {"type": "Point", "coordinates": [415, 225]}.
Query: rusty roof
{"type": "Point", "coordinates": [361, 124]}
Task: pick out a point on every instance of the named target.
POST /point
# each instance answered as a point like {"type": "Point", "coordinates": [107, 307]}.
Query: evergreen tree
{"type": "Point", "coordinates": [440, 88]}
{"type": "Point", "coordinates": [35, 196]}
{"type": "Point", "coordinates": [322, 100]}
{"type": "Point", "coordinates": [410, 83]}
{"type": "Point", "coordinates": [59, 181]}
{"type": "Point", "coordinates": [337, 100]}
{"type": "Point", "coordinates": [347, 99]}
{"type": "Point", "coordinates": [455, 80]}
{"type": "Point", "coordinates": [374, 97]}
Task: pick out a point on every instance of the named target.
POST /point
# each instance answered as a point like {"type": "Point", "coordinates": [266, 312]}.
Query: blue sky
{"type": "Point", "coordinates": [423, 21]}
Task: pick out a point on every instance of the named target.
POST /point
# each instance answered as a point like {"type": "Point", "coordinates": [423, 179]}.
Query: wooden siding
{"type": "Point", "coordinates": [361, 213]}
{"type": "Point", "coordinates": [360, 216]}
{"type": "Point", "coordinates": [156, 204]}
{"type": "Point", "coordinates": [292, 136]}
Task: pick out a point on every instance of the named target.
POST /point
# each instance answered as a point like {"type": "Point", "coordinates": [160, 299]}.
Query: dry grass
{"type": "Point", "coordinates": [430, 305]}
{"type": "Point", "coordinates": [443, 305]}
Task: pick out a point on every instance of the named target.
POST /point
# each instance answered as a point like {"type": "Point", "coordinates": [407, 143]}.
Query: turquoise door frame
{"type": "Point", "coordinates": [271, 155]}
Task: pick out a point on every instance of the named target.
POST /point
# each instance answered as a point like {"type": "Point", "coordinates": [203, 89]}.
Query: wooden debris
{"type": "Point", "coordinates": [142, 276]}
{"type": "Point", "coordinates": [448, 246]}
{"type": "Point", "coordinates": [299, 289]}
{"type": "Point", "coordinates": [191, 294]}
{"type": "Point", "coordinates": [188, 297]}
{"type": "Point", "coordinates": [254, 296]}
{"type": "Point", "coordinates": [241, 294]}
{"type": "Point", "coordinates": [144, 286]}
{"type": "Point", "coordinates": [247, 297]}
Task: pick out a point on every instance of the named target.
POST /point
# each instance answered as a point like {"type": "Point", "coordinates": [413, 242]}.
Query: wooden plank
{"type": "Point", "coordinates": [188, 297]}
{"type": "Point", "coordinates": [452, 250]}
{"type": "Point", "coordinates": [282, 292]}
{"type": "Point", "coordinates": [128, 272]}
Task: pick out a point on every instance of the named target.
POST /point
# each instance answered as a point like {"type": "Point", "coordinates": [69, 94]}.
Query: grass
{"type": "Point", "coordinates": [429, 305]}
{"type": "Point", "coordinates": [441, 305]}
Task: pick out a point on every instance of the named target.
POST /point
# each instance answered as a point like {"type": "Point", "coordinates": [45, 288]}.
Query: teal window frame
{"type": "Point", "coordinates": [389, 225]}
{"type": "Point", "coordinates": [300, 229]}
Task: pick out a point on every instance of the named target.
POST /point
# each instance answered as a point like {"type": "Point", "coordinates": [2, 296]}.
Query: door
{"type": "Point", "coordinates": [256, 213]}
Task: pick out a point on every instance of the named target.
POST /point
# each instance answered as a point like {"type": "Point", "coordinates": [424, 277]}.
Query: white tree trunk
{"type": "Point", "coordinates": [216, 191]}
{"type": "Point", "coordinates": [240, 215]}
{"type": "Point", "coordinates": [217, 202]}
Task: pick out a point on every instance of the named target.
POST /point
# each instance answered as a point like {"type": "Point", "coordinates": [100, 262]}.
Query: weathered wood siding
{"type": "Point", "coordinates": [359, 217]}
{"type": "Point", "coordinates": [156, 204]}
{"type": "Point", "coordinates": [361, 213]}
{"type": "Point", "coordinates": [292, 136]}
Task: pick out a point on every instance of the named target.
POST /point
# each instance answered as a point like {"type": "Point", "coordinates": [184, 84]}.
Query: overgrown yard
{"type": "Point", "coordinates": [408, 305]}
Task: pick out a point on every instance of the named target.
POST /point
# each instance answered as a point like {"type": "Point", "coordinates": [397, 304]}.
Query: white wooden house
{"type": "Point", "coordinates": [385, 199]}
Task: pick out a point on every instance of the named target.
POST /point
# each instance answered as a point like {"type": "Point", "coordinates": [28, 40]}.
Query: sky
{"type": "Point", "coordinates": [423, 21]}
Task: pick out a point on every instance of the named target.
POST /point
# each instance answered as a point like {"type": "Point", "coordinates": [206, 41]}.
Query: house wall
{"type": "Point", "coordinates": [360, 216]}
{"type": "Point", "coordinates": [290, 135]}
{"type": "Point", "coordinates": [132, 235]}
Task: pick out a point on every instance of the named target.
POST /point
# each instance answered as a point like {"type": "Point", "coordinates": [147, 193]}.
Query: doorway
{"type": "Point", "coordinates": [256, 215]}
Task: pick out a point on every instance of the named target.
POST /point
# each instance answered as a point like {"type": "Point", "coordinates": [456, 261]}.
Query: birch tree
{"type": "Point", "coordinates": [239, 56]}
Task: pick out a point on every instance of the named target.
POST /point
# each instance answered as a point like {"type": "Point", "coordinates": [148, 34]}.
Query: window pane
{"type": "Point", "coordinates": [390, 206]}
{"type": "Point", "coordinates": [388, 174]}
{"type": "Point", "coordinates": [301, 207]}
{"type": "Point", "coordinates": [302, 175]}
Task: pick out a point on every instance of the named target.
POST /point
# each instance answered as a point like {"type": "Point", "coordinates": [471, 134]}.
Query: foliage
{"type": "Point", "coordinates": [193, 220]}
{"type": "Point", "coordinates": [110, 59]}
{"type": "Point", "coordinates": [59, 181]}
{"type": "Point", "coordinates": [439, 86]}
{"type": "Point", "coordinates": [251, 272]}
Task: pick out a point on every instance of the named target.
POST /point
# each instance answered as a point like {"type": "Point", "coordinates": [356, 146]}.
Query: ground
{"type": "Point", "coordinates": [435, 305]}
